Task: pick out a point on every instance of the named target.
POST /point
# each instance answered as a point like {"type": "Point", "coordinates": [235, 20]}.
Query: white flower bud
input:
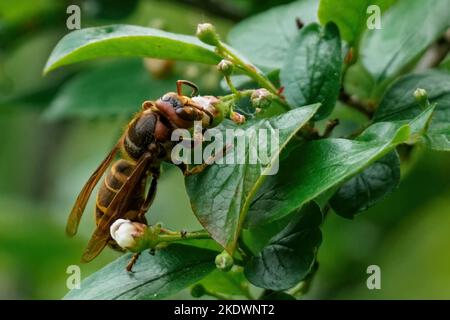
{"type": "Point", "coordinates": [207, 34]}
{"type": "Point", "coordinates": [237, 117]}
{"type": "Point", "coordinates": [261, 98]}
{"type": "Point", "coordinates": [126, 232]}
{"type": "Point", "coordinates": [226, 67]}
{"type": "Point", "coordinates": [421, 96]}
{"type": "Point", "coordinates": [224, 261]}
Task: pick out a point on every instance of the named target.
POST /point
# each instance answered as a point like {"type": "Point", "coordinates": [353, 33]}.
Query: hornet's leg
{"type": "Point", "coordinates": [142, 211]}
{"type": "Point", "coordinates": [150, 195]}
{"type": "Point", "coordinates": [132, 261]}
{"type": "Point", "coordinates": [196, 141]}
{"type": "Point", "coordinates": [199, 168]}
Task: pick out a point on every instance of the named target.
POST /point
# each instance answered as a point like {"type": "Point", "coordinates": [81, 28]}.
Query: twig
{"type": "Point", "coordinates": [350, 101]}
{"type": "Point", "coordinates": [330, 127]}
{"type": "Point", "coordinates": [308, 132]}
{"type": "Point", "coordinates": [435, 54]}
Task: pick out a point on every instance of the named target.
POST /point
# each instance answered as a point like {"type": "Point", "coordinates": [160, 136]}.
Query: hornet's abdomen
{"type": "Point", "coordinates": [112, 183]}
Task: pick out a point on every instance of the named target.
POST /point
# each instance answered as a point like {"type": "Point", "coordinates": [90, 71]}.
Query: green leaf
{"type": "Point", "coordinates": [367, 188]}
{"type": "Point", "coordinates": [408, 28]}
{"type": "Point", "coordinates": [266, 37]}
{"type": "Point", "coordinates": [126, 41]}
{"type": "Point", "coordinates": [312, 70]}
{"type": "Point", "coordinates": [351, 17]}
{"type": "Point", "coordinates": [154, 277]}
{"type": "Point", "coordinates": [399, 104]}
{"type": "Point", "coordinates": [290, 255]}
{"type": "Point", "coordinates": [112, 89]}
{"type": "Point", "coordinates": [320, 165]}
{"type": "Point", "coordinates": [232, 282]}
{"type": "Point", "coordinates": [220, 195]}
{"type": "Point", "coordinates": [256, 238]}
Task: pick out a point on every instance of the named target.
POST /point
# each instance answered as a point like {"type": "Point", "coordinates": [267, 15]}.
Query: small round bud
{"type": "Point", "coordinates": [126, 233]}
{"type": "Point", "coordinates": [261, 98]}
{"type": "Point", "coordinates": [206, 32]}
{"type": "Point", "coordinates": [237, 117]}
{"type": "Point", "coordinates": [226, 67]}
{"type": "Point", "coordinates": [198, 291]}
{"type": "Point", "coordinates": [421, 96]}
{"type": "Point", "coordinates": [224, 261]}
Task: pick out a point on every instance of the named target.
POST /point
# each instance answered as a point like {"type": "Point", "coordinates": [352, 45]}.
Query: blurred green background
{"type": "Point", "coordinates": [47, 155]}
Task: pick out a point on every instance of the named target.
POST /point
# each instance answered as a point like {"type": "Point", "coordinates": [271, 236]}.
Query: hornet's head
{"type": "Point", "coordinates": [182, 110]}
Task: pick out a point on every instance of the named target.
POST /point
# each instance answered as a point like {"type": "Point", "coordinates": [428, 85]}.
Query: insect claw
{"type": "Point", "coordinates": [132, 262]}
{"type": "Point", "coordinates": [183, 233]}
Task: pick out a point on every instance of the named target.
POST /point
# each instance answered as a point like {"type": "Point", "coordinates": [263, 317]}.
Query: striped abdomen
{"type": "Point", "coordinates": [112, 183]}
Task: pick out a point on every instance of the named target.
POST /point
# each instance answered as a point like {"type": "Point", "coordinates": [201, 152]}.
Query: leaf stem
{"type": "Point", "coordinates": [246, 94]}
{"type": "Point", "coordinates": [237, 95]}
{"type": "Point", "coordinates": [155, 237]}
{"type": "Point", "coordinates": [217, 295]}
{"type": "Point", "coordinates": [232, 87]}
{"type": "Point", "coordinates": [170, 236]}
{"type": "Point", "coordinates": [251, 71]}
